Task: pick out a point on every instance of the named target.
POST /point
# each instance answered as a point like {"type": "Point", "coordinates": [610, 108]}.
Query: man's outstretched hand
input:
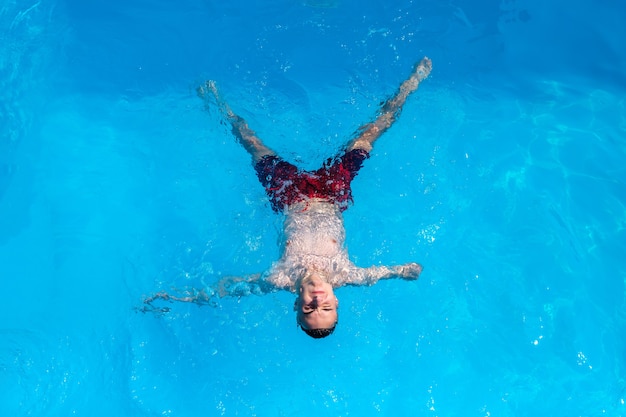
{"type": "Point", "coordinates": [410, 271]}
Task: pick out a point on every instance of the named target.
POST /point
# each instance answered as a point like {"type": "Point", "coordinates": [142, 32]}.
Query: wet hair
{"type": "Point", "coordinates": [319, 333]}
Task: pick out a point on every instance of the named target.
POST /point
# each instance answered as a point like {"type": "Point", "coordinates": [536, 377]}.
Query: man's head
{"type": "Point", "coordinates": [316, 306]}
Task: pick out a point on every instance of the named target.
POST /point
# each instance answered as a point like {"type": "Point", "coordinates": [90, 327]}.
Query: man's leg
{"type": "Point", "coordinates": [245, 136]}
{"type": "Point", "coordinates": [391, 109]}
{"type": "Point", "coordinates": [338, 173]}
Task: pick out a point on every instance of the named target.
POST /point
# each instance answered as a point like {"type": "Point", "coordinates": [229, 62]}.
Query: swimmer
{"type": "Point", "coordinates": [314, 260]}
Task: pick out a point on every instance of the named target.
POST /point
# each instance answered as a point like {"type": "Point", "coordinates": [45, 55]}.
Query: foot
{"type": "Point", "coordinates": [208, 87]}
{"type": "Point", "coordinates": [422, 69]}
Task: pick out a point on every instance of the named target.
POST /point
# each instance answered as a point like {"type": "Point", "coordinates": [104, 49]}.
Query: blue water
{"type": "Point", "coordinates": [504, 177]}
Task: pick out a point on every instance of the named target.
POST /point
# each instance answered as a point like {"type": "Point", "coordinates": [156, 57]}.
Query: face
{"type": "Point", "coordinates": [316, 304]}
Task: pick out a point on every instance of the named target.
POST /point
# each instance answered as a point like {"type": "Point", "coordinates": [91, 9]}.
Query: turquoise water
{"type": "Point", "coordinates": [504, 177]}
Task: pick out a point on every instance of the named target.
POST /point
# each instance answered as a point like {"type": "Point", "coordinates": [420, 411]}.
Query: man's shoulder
{"type": "Point", "coordinates": [278, 278]}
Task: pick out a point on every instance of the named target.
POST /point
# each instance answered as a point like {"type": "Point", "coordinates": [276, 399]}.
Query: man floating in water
{"type": "Point", "coordinates": [314, 260]}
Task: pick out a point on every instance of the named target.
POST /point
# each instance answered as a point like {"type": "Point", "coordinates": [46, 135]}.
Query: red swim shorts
{"type": "Point", "coordinates": [285, 184]}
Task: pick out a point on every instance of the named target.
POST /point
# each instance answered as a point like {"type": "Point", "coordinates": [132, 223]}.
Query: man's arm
{"type": "Point", "coordinates": [390, 111]}
{"type": "Point", "coordinates": [240, 286]}
{"type": "Point", "coordinates": [200, 297]}
{"type": "Point", "coordinates": [373, 274]}
{"type": "Point", "coordinates": [226, 287]}
{"type": "Point", "coordinates": [246, 136]}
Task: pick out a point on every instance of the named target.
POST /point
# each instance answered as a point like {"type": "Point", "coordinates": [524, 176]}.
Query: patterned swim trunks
{"type": "Point", "coordinates": [285, 184]}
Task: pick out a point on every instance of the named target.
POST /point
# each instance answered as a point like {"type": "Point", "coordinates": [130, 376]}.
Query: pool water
{"type": "Point", "coordinates": [504, 177]}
